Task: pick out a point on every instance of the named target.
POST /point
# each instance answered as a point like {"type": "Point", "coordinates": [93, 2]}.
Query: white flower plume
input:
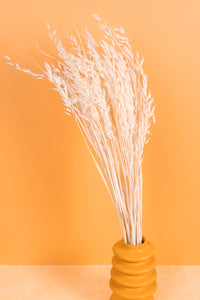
{"type": "Point", "coordinates": [104, 88]}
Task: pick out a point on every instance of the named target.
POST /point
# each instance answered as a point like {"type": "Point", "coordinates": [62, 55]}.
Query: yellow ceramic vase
{"type": "Point", "coordinates": [133, 275]}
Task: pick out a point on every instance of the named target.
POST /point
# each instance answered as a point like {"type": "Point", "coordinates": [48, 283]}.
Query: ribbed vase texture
{"type": "Point", "coordinates": [133, 275]}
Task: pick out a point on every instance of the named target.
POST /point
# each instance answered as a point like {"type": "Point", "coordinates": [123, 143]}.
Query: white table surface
{"type": "Point", "coordinates": [89, 283]}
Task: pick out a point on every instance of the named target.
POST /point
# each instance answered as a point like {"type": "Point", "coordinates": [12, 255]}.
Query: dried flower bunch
{"type": "Point", "coordinates": [104, 88]}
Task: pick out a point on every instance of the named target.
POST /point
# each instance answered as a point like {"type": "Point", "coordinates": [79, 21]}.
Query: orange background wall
{"type": "Point", "coordinates": [54, 208]}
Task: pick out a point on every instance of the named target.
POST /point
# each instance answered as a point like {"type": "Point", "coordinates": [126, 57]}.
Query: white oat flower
{"type": "Point", "coordinates": [104, 88]}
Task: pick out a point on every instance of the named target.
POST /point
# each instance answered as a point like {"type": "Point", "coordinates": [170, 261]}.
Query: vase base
{"type": "Point", "coordinates": [115, 297]}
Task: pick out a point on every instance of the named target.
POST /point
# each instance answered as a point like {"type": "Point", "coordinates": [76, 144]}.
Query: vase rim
{"type": "Point", "coordinates": [144, 241]}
